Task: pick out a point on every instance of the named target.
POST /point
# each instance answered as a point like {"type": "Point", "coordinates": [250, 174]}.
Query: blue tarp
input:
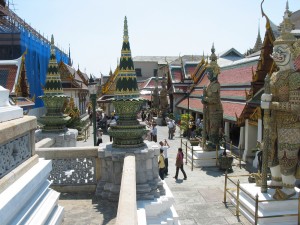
{"type": "Point", "coordinates": [36, 62]}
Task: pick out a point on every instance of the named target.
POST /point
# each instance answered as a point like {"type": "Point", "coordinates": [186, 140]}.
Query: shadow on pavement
{"type": "Point", "coordinates": [86, 208]}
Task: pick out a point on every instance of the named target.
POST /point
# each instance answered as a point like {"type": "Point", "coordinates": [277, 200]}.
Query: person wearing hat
{"type": "Point", "coordinates": [99, 136]}
{"type": "Point", "coordinates": [165, 147]}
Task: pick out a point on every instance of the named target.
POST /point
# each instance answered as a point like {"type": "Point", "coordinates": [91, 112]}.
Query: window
{"type": "Point", "coordinates": [138, 72]}
{"type": "Point", "coordinates": [155, 72]}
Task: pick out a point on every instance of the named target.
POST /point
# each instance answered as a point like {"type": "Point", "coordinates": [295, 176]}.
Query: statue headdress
{"type": "Point", "coordinates": [286, 26]}
{"type": "Point", "coordinates": [213, 65]}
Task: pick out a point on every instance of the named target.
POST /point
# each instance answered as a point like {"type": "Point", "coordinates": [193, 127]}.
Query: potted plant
{"type": "Point", "coordinates": [194, 141]}
{"type": "Point", "coordinates": [184, 124]}
{"type": "Point", "coordinates": [225, 160]}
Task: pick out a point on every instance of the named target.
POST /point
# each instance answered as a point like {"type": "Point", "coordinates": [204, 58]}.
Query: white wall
{"type": "Point", "coordinates": [250, 139]}
{"type": "Point", "coordinates": [147, 69]}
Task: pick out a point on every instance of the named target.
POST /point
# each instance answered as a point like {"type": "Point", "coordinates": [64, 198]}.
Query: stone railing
{"type": "Point", "coordinates": [84, 132]}
{"type": "Point", "coordinates": [74, 169]}
{"type": "Point", "coordinates": [127, 208]}
{"type": "Point", "coordinates": [16, 138]}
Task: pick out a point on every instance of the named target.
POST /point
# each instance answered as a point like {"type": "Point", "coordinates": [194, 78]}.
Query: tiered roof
{"type": "Point", "coordinates": [13, 77]}
{"type": "Point", "coordinates": [71, 78]}
{"type": "Point", "coordinates": [235, 79]}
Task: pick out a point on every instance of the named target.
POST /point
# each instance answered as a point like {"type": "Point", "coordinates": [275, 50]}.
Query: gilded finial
{"type": "Point", "coordinates": [213, 65]}
{"type": "Point", "coordinates": [125, 36]}
{"type": "Point", "coordinates": [286, 37]}
{"type": "Point", "coordinates": [203, 58]}
{"type": "Point", "coordinates": [52, 39]}
{"type": "Point", "coordinates": [213, 56]}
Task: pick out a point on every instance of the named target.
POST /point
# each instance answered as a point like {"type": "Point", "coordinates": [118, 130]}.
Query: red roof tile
{"type": "Point", "coordinates": [190, 68]}
{"type": "Point", "coordinates": [176, 74]}
{"type": "Point", "coordinates": [237, 94]}
{"type": "Point", "coordinates": [230, 108]}
{"type": "Point", "coordinates": [234, 76]}
{"type": "Point", "coordinates": [234, 94]}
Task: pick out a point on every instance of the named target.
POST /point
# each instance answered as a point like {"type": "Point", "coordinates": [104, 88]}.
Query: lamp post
{"type": "Point", "coordinates": [187, 93]}
{"type": "Point", "coordinates": [93, 91]}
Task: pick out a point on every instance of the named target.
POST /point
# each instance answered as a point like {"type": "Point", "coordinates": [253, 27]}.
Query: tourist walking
{"type": "Point", "coordinates": [161, 165]}
{"type": "Point", "coordinates": [154, 132]}
{"type": "Point", "coordinates": [165, 147]}
{"type": "Point", "coordinates": [99, 136]}
{"type": "Point", "coordinates": [171, 128]}
{"type": "Point", "coordinates": [179, 164]}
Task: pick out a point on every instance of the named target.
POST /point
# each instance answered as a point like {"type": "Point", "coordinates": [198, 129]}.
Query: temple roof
{"type": "Point", "coordinates": [13, 77]}
{"type": "Point", "coordinates": [231, 109]}
{"type": "Point", "coordinates": [161, 60]}
{"type": "Point", "coordinates": [231, 54]}
{"type": "Point", "coordinates": [9, 73]}
{"type": "Point", "coordinates": [70, 77]}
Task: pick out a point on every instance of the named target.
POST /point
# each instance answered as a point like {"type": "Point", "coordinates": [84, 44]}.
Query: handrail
{"type": "Point", "coordinates": [127, 208]}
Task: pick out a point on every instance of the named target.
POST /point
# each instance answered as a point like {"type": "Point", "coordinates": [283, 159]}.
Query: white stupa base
{"type": "Point", "coordinates": [158, 211]}
{"type": "Point", "coordinates": [29, 200]}
{"type": "Point", "coordinates": [282, 209]}
{"type": "Point", "coordinates": [10, 113]}
{"type": "Point", "coordinates": [203, 158]}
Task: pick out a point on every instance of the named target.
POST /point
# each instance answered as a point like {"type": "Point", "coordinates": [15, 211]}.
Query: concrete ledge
{"type": "Point", "coordinates": [45, 143]}
{"type": "Point", "coordinates": [18, 172]}
{"type": "Point", "coordinates": [67, 152]}
{"type": "Point", "coordinates": [75, 189]}
{"type": "Point", "coordinates": [127, 209]}
{"type": "Point", "coordinates": [14, 128]}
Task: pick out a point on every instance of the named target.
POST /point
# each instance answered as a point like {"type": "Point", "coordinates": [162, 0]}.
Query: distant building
{"type": "Point", "coordinates": [149, 66]}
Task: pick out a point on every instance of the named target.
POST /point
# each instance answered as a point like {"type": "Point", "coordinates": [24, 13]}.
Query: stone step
{"type": "Point", "coordinates": [44, 209]}
{"type": "Point", "coordinates": [30, 206]}
{"type": "Point", "coordinates": [15, 198]}
{"type": "Point", "coordinates": [56, 216]}
{"type": "Point", "coordinates": [141, 214]}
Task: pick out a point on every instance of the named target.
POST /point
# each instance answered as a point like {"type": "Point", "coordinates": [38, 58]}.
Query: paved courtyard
{"type": "Point", "coordinates": [198, 200]}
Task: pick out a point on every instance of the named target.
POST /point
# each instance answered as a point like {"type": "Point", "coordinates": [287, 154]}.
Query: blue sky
{"type": "Point", "coordinates": [94, 28]}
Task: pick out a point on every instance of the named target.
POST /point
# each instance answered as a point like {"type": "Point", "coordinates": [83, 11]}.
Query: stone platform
{"type": "Point", "coordinates": [203, 158]}
{"type": "Point", "coordinates": [279, 212]}
{"type": "Point", "coordinates": [63, 139]}
{"type": "Point", "coordinates": [147, 179]}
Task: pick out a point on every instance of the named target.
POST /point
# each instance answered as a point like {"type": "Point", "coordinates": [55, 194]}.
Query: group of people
{"type": "Point", "coordinates": [163, 162]}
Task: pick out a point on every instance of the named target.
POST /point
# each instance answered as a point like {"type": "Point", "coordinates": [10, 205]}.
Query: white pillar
{"type": "Point", "coordinates": [259, 130]}
{"type": "Point", "coordinates": [242, 138]}
{"type": "Point", "coordinates": [250, 139]}
{"type": "Point", "coordinates": [227, 133]}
